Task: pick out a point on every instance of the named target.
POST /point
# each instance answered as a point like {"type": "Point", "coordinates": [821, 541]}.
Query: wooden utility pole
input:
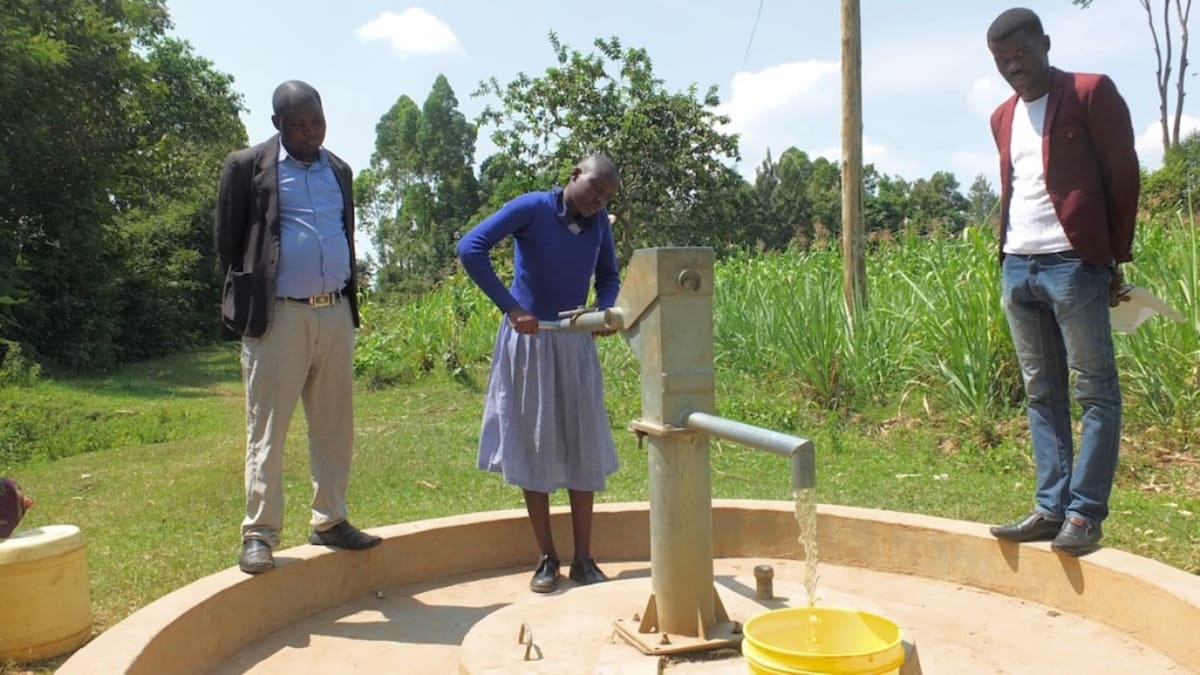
{"type": "Point", "coordinates": [854, 267]}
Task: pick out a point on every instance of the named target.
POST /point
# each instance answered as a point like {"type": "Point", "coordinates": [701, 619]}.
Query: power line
{"type": "Point", "coordinates": [753, 28]}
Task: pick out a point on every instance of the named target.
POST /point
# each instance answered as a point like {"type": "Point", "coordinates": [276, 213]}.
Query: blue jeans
{"type": "Point", "coordinates": [1057, 310]}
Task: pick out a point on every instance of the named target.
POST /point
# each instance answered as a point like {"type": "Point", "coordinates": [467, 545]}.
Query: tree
{"type": "Point", "coordinates": [500, 179]}
{"type": "Point", "coordinates": [419, 192]}
{"type": "Point", "coordinates": [1164, 54]}
{"type": "Point", "coordinates": [168, 272]}
{"type": "Point", "coordinates": [935, 204]}
{"type": "Point", "coordinates": [824, 192]}
{"type": "Point", "coordinates": [981, 202]}
{"type": "Point", "coordinates": [667, 144]}
{"type": "Point", "coordinates": [379, 189]}
{"type": "Point", "coordinates": [722, 217]}
{"type": "Point", "coordinates": [760, 219]}
{"type": "Point", "coordinates": [447, 142]}
{"type": "Point", "coordinates": [64, 71]}
{"type": "Point", "coordinates": [108, 134]}
{"type": "Point", "coordinates": [886, 206]}
{"type": "Point", "coordinates": [791, 203]}
{"type": "Point", "coordinates": [1170, 191]}
{"type": "Point", "coordinates": [780, 207]}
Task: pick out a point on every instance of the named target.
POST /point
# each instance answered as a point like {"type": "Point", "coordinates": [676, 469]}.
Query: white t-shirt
{"type": "Point", "coordinates": [1033, 226]}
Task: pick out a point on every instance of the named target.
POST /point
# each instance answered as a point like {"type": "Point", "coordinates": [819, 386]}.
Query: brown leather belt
{"type": "Point", "coordinates": [322, 300]}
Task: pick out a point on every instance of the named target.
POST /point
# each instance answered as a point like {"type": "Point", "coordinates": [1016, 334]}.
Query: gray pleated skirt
{"type": "Point", "coordinates": [544, 422]}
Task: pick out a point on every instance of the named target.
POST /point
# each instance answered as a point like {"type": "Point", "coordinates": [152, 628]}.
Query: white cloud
{"type": "Point", "coordinates": [1149, 143]}
{"type": "Point", "coordinates": [411, 32]}
{"type": "Point", "coordinates": [755, 94]}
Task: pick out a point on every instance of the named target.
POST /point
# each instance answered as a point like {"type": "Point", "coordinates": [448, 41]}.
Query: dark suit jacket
{"type": "Point", "coordinates": [1090, 164]}
{"type": "Point", "coordinates": [247, 233]}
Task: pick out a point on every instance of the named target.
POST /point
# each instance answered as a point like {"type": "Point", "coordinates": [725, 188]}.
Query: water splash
{"type": "Point", "coordinates": [806, 518]}
{"type": "Point", "coordinates": [815, 628]}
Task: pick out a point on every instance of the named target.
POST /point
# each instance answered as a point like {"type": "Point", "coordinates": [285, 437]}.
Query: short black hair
{"type": "Point", "coordinates": [1012, 20]}
{"type": "Point", "coordinates": [602, 165]}
{"type": "Point", "coordinates": [293, 93]}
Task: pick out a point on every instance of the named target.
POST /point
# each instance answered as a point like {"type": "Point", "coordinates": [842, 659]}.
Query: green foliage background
{"type": "Point", "coordinates": [933, 335]}
{"type": "Point", "coordinates": [111, 136]}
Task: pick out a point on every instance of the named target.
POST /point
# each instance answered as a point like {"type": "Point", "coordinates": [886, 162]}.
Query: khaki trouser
{"type": "Point", "coordinates": [306, 354]}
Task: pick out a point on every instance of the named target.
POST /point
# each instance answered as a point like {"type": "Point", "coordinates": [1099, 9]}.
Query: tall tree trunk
{"type": "Point", "coordinates": [1184, 11]}
{"type": "Point", "coordinates": [1162, 76]}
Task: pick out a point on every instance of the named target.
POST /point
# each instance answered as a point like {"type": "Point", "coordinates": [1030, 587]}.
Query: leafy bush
{"type": "Point", "coordinates": [16, 369]}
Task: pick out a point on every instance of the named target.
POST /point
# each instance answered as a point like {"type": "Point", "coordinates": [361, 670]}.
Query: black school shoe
{"type": "Point", "coordinates": [545, 577]}
{"type": "Point", "coordinates": [1033, 527]}
{"type": "Point", "coordinates": [1077, 539]}
{"type": "Point", "coordinates": [585, 572]}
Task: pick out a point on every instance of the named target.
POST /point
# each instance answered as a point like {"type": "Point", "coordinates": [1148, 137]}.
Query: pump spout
{"type": "Point", "coordinates": [800, 451]}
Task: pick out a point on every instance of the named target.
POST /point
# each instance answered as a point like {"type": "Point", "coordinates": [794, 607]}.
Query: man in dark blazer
{"type": "Point", "coordinates": [285, 237]}
{"type": "Point", "coordinates": [1069, 187]}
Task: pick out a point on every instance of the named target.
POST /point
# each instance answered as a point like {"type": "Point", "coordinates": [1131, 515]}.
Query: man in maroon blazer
{"type": "Point", "coordinates": [1069, 188]}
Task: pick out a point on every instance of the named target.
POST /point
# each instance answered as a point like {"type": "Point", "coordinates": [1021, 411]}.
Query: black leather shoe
{"type": "Point", "coordinates": [1077, 537]}
{"type": "Point", "coordinates": [344, 535]}
{"type": "Point", "coordinates": [545, 577]}
{"type": "Point", "coordinates": [585, 572]}
{"type": "Point", "coordinates": [256, 557]}
{"type": "Point", "coordinates": [1033, 527]}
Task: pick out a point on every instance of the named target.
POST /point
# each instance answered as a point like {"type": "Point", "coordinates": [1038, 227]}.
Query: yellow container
{"type": "Point", "coordinates": [45, 606]}
{"type": "Point", "coordinates": [821, 640]}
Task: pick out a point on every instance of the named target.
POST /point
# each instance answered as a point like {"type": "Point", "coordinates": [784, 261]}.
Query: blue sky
{"type": "Point", "coordinates": [929, 83]}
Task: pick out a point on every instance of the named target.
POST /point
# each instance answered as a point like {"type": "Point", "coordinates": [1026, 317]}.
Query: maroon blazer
{"type": "Point", "coordinates": [1091, 166]}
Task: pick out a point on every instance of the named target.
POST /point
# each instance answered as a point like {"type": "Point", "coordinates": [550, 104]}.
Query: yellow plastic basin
{"type": "Point", "coordinates": [45, 607]}
{"type": "Point", "coordinates": [821, 640]}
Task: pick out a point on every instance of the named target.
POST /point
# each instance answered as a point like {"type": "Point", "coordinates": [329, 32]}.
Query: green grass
{"type": "Point", "coordinates": [154, 402]}
{"type": "Point", "coordinates": [159, 515]}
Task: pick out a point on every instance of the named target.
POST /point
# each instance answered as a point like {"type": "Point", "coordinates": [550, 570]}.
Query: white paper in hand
{"type": "Point", "coordinates": [1141, 305]}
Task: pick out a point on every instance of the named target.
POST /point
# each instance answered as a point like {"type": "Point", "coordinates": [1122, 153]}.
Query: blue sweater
{"type": "Point", "coordinates": [555, 257]}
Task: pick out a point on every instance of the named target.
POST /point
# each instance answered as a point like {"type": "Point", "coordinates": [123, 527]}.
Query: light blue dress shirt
{"type": "Point", "coordinates": [314, 255]}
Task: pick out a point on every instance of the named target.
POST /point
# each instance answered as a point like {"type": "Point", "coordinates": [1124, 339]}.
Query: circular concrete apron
{"type": "Point", "coordinates": [449, 594]}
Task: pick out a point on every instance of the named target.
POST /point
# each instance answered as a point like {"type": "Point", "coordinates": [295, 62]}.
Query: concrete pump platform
{"type": "Point", "coordinates": [451, 595]}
